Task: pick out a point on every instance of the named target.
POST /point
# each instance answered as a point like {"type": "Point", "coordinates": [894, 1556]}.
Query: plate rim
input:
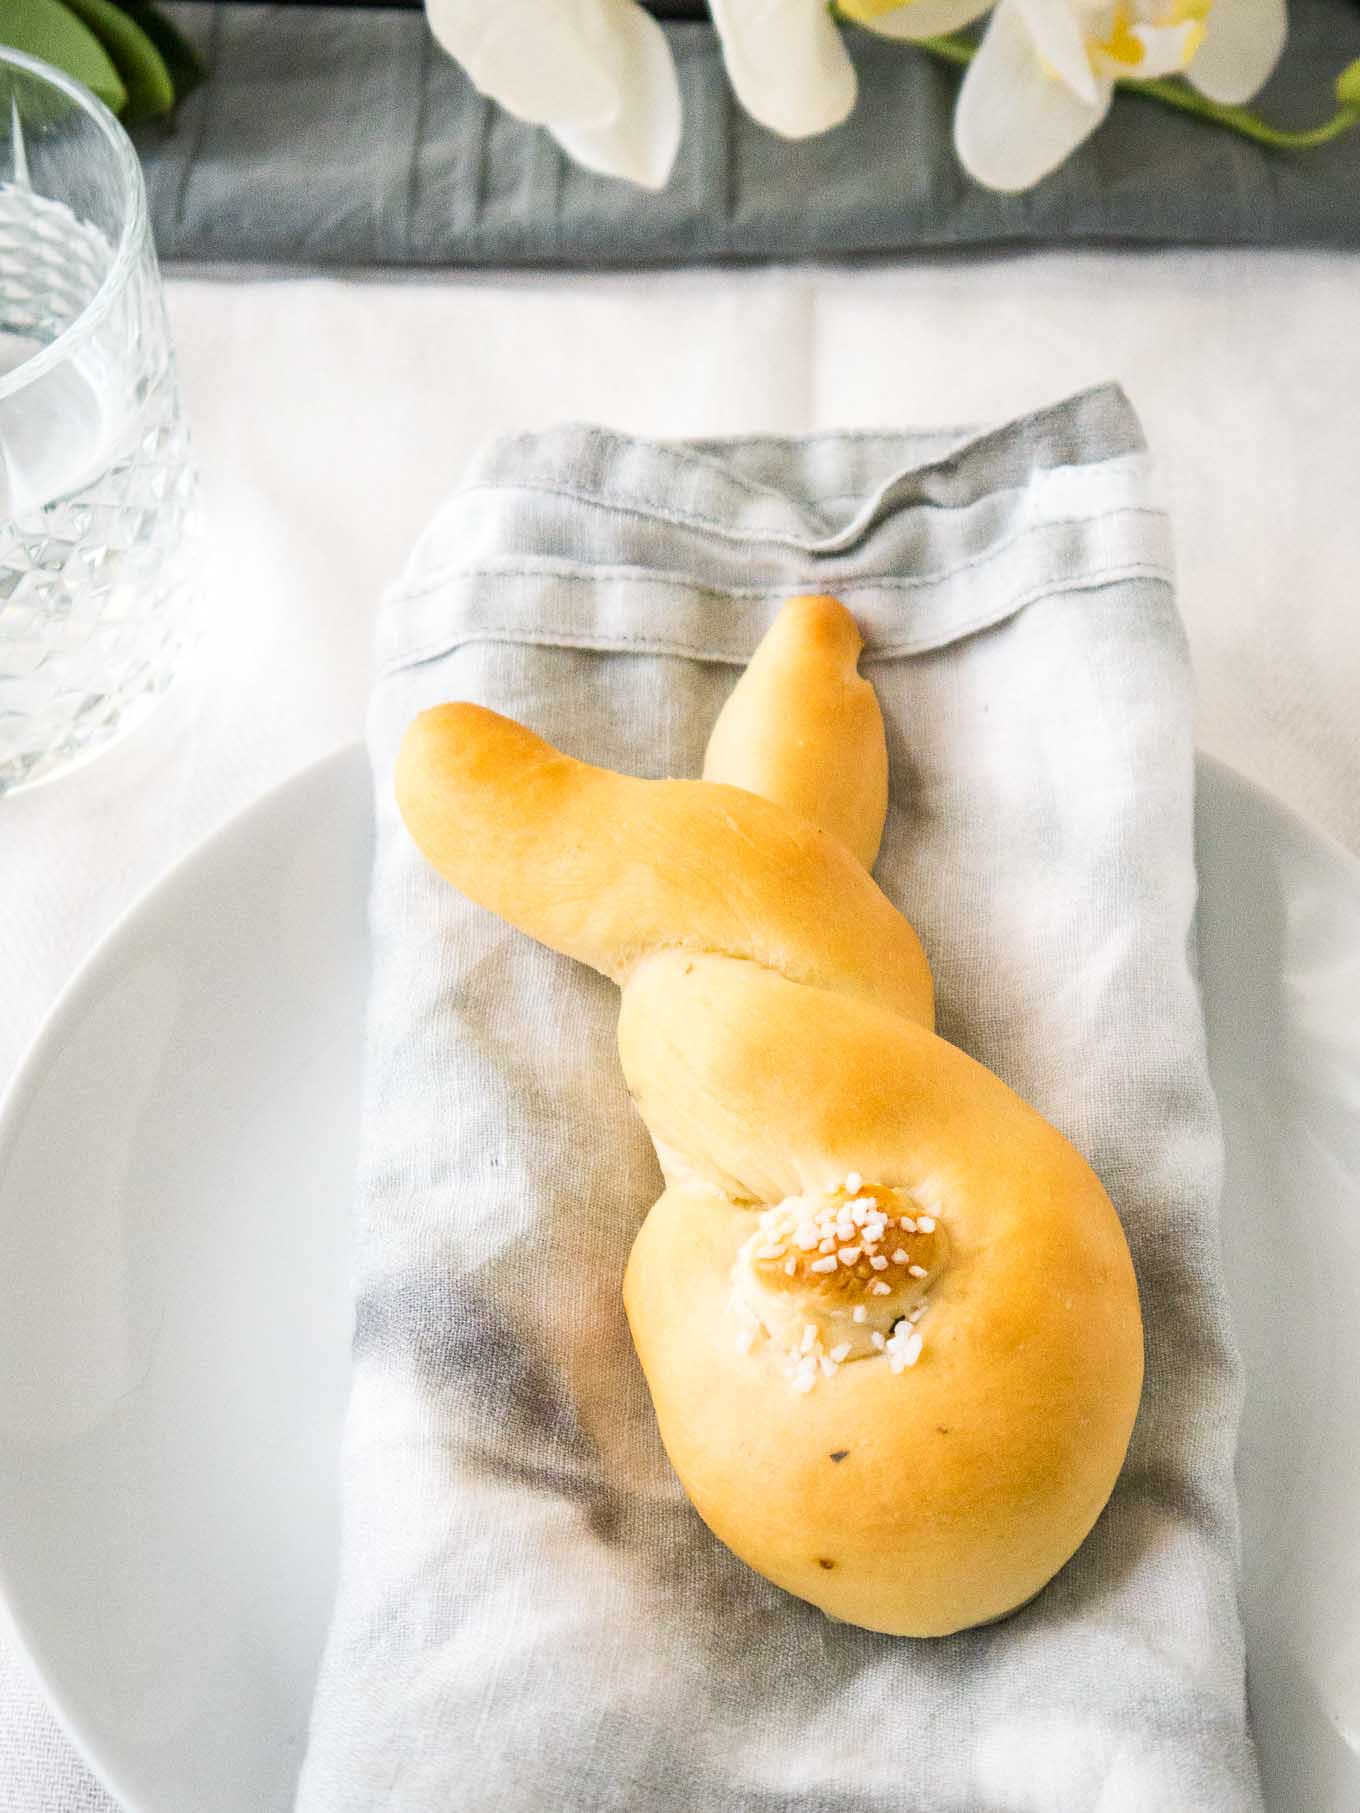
{"type": "Point", "coordinates": [323, 772]}
{"type": "Point", "coordinates": [147, 897]}
{"type": "Point", "coordinates": [18, 1094]}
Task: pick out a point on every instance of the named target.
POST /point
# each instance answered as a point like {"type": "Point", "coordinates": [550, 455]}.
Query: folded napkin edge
{"type": "Point", "coordinates": [549, 602]}
{"type": "Point", "coordinates": [738, 654]}
{"type": "Point", "coordinates": [1088, 427]}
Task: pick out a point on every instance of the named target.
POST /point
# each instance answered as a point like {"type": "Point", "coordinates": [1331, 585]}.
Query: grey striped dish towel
{"type": "Point", "coordinates": [529, 1614]}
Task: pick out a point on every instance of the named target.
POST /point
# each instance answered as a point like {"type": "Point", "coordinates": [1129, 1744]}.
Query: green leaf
{"type": "Point", "coordinates": [150, 90]}
{"type": "Point", "coordinates": [45, 28]}
{"type": "Point", "coordinates": [1348, 86]}
{"type": "Point", "coordinates": [186, 66]}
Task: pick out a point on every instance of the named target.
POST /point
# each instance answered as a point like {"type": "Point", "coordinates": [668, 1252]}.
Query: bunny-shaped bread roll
{"type": "Point", "coordinates": [885, 1311]}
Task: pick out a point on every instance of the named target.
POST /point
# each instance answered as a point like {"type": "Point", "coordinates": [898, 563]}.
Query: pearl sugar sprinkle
{"type": "Point", "coordinates": [842, 1233]}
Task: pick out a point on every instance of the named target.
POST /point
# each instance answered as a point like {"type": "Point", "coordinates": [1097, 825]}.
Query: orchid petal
{"type": "Point", "coordinates": [1055, 27]}
{"type": "Point", "coordinates": [787, 62]}
{"type": "Point", "coordinates": [1014, 123]}
{"type": "Point", "coordinates": [916, 19]}
{"type": "Point", "coordinates": [536, 57]}
{"type": "Point", "coordinates": [641, 141]}
{"type": "Point", "coordinates": [1167, 50]}
{"type": "Point", "coordinates": [1241, 47]}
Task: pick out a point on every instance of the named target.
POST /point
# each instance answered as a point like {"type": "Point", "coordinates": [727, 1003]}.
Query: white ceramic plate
{"type": "Point", "coordinates": [175, 1175]}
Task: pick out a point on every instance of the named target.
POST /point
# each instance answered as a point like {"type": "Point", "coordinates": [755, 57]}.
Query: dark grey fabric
{"type": "Point", "coordinates": [331, 136]}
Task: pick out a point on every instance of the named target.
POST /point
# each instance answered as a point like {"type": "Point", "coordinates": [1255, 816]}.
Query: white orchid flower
{"type": "Point", "coordinates": [1044, 75]}
{"type": "Point", "coordinates": [787, 63]}
{"type": "Point", "coordinates": [597, 73]}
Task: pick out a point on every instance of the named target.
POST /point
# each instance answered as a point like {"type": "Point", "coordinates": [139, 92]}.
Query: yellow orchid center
{"type": "Point", "coordinates": [1149, 40]}
{"type": "Point", "coordinates": [1122, 45]}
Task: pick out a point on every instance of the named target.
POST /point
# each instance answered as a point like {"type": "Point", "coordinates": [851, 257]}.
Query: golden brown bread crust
{"type": "Point", "coordinates": [966, 1482]}
{"type": "Point", "coordinates": [804, 729]}
{"type": "Point", "coordinates": [607, 869]}
{"type": "Point", "coordinates": [886, 1312]}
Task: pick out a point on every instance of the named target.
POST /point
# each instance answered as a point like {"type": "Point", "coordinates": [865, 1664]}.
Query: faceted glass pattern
{"type": "Point", "coordinates": [97, 486]}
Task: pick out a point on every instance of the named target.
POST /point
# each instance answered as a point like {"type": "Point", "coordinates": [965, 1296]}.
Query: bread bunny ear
{"type": "Point", "coordinates": [804, 729]}
{"type": "Point", "coordinates": [609, 869]}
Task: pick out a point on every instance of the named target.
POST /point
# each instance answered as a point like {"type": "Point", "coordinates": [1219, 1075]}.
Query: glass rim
{"type": "Point", "coordinates": [129, 171]}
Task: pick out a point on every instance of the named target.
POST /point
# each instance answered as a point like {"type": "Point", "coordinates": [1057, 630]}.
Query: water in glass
{"type": "Point", "coordinates": [96, 484]}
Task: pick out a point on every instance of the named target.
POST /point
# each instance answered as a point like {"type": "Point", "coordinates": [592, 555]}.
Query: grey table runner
{"type": "Point", "coordinates": [346, 137]}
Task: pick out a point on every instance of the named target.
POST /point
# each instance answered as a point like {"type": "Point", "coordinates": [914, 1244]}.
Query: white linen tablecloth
{"type": "Point", "coordinates": [332, 415]}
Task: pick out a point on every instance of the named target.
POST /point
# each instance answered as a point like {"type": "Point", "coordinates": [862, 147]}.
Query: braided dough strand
{"type": "Point", "coordinates": [609, 869]}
